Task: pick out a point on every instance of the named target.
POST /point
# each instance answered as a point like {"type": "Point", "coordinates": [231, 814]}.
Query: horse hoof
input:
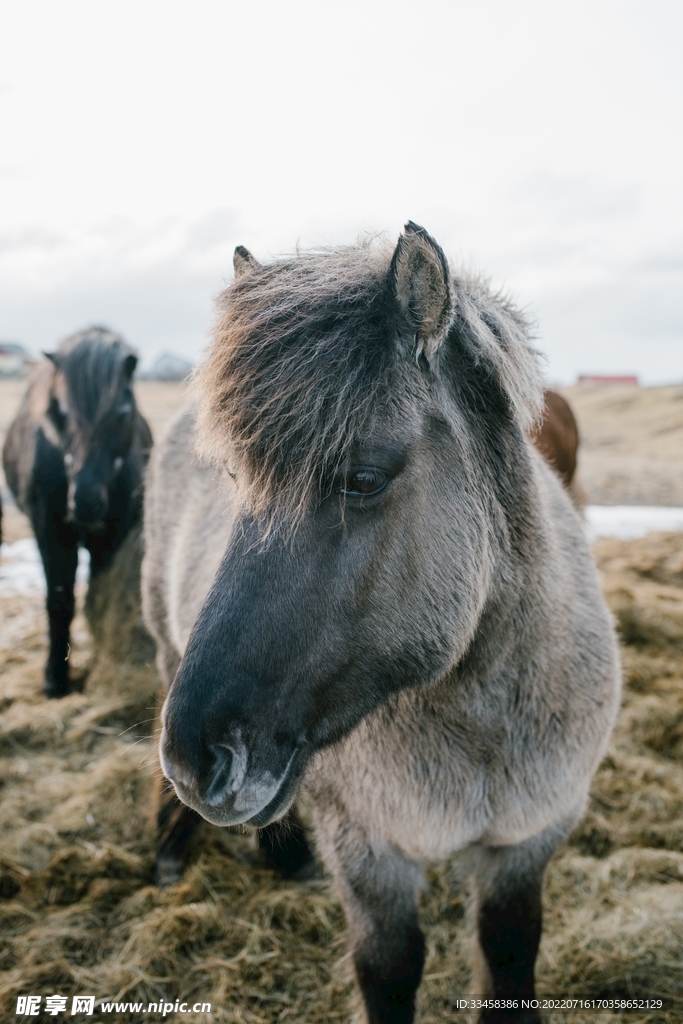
{"type": "Point", "coordinates": [54, 690]}
{"type": "Point", "coordinates": [169, 871]}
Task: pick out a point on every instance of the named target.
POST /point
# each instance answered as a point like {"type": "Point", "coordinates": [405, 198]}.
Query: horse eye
{"type": "Point", "coordinates": [125, 410]}
{"type": "Point", "coordinates": [364, 481]}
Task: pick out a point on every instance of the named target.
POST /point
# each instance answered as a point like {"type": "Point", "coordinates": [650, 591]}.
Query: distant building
{"type": "Point", "coordinates": [168, 367]}
{"type": "Point", "coordinates": [600, 380]}
{"type": "Point", "coordinates": [14, 359]}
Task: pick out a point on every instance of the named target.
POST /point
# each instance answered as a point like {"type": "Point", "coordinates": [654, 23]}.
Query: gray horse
{"type": "Point", "coordinates": [368, 586]}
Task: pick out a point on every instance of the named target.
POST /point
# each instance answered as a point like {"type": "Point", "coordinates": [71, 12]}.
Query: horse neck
{"type": "Point", "coordinates": [523, 561]}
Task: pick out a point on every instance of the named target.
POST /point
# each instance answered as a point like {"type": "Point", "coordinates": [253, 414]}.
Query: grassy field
{"type": "Point", "coordinates": [79, 913]}
{"type": "Point", "coordinates": [631, 444]}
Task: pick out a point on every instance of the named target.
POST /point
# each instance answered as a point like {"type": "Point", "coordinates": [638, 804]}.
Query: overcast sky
{"type": "Point", "coordinates": [541, 143]}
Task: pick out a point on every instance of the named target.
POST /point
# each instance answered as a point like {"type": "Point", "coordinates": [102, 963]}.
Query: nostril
{"type": "Point", "coordinates": [219, 777]}
{"type": "Point", "coordinates": [211, 773]}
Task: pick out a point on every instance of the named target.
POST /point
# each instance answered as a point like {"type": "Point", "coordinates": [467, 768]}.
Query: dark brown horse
{"type": "Point", "coordinates": [557, 439]}
{"type": "Point", "coordinates": [74, 458]}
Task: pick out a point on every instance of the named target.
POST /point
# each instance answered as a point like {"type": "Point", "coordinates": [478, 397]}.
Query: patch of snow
{"type": "Point", "coordinates": [21, 568]}
{"type": "Point", "coordinates": [629, 521]}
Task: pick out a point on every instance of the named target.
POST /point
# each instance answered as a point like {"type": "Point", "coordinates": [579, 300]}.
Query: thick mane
{"type": "Point", "coordinates": [303, 355]}
{"type": "Point", "coordinates": [91, 362]}
{"type": "Point", "coordinates": [498, 336]}
{"type": "Point", "coordinates": [300, 348]}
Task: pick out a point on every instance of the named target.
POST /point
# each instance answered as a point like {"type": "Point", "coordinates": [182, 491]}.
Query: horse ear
{"type": "Point", "coordinates": [422, 290]}
{"type": "Point", "coordinates": [129, 364]}
{"type": "Point", "coordinates": [53, 357]}
{"type": "Point", "coordinates": [243, 261]}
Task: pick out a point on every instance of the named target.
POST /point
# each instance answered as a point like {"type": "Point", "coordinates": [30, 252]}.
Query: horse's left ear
{"type": "Point", "coordinates": [243, 261]}
{"type": "Point", "coordinates": [129, 364]}
{"type": "Point", "coordinates": [422, 290]}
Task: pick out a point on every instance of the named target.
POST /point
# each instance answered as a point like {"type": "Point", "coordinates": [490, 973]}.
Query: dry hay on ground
{"type": "Point", "coordinates": [79, 914]}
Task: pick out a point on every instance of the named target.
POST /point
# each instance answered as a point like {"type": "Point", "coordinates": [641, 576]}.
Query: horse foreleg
{"type": "Point", "coordinates": [508, 884]}
{"type": "Point", "coordinates": [58, 544]}
{"type": "Point", "coordinates": [378, 889]}
{"type": "Point", "coordinates": [59, 551]}
{"type": "Point", "coordinates": [176, 825]}
{"type": "Point", "coordinates": [286, 847]}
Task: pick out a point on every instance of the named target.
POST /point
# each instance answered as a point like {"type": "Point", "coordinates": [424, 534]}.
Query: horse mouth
{"type": "Point", "coordinates": [277, 801]}
{"type": "Point", "coordinates": [96, 526]}
{"type": "Point", "coordinates": [286, 793]}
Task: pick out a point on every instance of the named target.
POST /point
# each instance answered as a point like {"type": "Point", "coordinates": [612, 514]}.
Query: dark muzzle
{"type": "Point", "coordinates": [227, 780]}
{"type": "Point", "coordinates": [90, 505]}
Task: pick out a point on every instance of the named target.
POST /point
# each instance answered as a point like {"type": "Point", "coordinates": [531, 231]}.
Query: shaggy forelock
{"type": "Point", "coordinates": [302, 360]}
{"type": "Point", "coordinates": [91, 362]}
{"type": "Point", "coordinates": [499, 336]}
{"type": "Point", "coordinates": [292, 377]}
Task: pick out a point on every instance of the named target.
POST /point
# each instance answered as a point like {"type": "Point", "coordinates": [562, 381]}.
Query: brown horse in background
{"type": "Point", "coordinates": [557, 439]}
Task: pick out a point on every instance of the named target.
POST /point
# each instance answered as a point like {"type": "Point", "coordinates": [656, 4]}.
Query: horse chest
{"type": "Point", "coordinates": [432, 788]}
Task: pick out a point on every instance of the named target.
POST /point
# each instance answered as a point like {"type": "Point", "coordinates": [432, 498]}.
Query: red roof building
{"type": "Point", "coordinates": [600, 379]}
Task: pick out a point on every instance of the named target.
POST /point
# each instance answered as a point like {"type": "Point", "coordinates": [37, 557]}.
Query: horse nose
{"type": "Point", "coordinates": [217, 780]}
{"type": "Point", "coordinates": [90, 504]}
{"type": "Point", "coordinates": [226, 776]}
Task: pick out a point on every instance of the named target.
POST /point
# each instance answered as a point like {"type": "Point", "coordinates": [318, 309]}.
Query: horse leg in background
{"type": "Point", "coordinates": [101, 549]}
{"type": "Point", "coordinates": [378, 889]}
{"type": "Point", "coordinates": [58, 545]}
{"type": "Point", "coordinates": [176, 826]}
{"type": "Point", "coordinates": [175, 822]}
{"type": "Point", "coordinates": [284, 843]}
{"type": "Point", "coordinates": [508, 885]}
{"type": "Point", "coordinates": [60, 561]}
{"type": "Point", "coordinates": [286, 848]}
